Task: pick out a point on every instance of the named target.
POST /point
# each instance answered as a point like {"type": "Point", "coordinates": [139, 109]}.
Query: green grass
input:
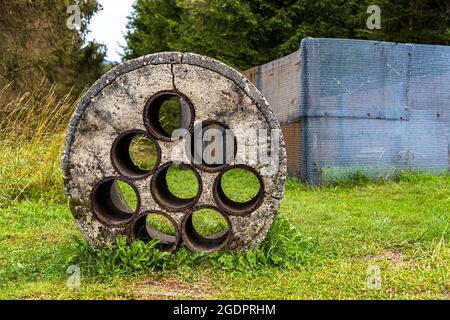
{"type": "Point", "coordinates": [240, 185]}
{"type": "Point", "coordinates": [320, 246]}
{"type": "Point", "coordinates": [160, 223]}
{"type": "Point", "coordinates": [143, 152]}
{"type": "Point", "coordinates": [182, 182]}
{"type": "Point", "coordinates": [128, 194]}
{"type": "Point", "coordinates": [208, 222]}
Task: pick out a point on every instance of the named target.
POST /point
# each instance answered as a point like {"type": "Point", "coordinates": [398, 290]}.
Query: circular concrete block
{"type": "Point", "coordinates": [122, 105]}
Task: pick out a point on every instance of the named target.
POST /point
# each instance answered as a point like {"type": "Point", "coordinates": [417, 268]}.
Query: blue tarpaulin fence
{"type": "Point", "coordinates": [355, 105]}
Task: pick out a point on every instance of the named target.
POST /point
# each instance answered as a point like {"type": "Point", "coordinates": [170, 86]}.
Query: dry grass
{"type": "Point", "coordinates": [32, 128]}
{"type": "Point", "coordinates": [35, 116]}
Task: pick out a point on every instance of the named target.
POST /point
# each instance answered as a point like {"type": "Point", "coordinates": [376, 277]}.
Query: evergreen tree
{"type": "Point", "coordinates": [36, 44]}
{"type": "Point", "coordinates": [244, 33]}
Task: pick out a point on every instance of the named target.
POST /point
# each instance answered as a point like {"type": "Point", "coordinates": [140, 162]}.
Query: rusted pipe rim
{"type": "Point", "coordinates": [121, 159]}
{"type": "Point", "coordinates": [164, 197]}
{"type": "Point", "coordinates": [233, 207]}
{"type": "Point", "coordinates": [141, 231]}
{"type": "Point", "coordinates": [191, 150]}
{"type": "Point", "coordinates": [151, 113]}
{"type": "Point", "coordinates": [198, 243]}
{"type": "Point", "coordinates": [108, 204]}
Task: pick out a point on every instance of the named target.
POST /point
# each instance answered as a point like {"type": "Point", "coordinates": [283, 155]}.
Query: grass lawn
{"type": "Point", "coordinates": [400, 227]}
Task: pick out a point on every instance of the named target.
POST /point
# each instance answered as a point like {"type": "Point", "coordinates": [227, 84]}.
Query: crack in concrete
{"type": "Point", "coordinates": [173, 73]}
{"type": "Point", "coordinates": [173, 76]}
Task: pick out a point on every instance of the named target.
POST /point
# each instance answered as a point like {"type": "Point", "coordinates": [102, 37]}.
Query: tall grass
{"type": "Point", "coordinates": [32, 128]}
{"type": "Point", "coordinates": [35, 116]}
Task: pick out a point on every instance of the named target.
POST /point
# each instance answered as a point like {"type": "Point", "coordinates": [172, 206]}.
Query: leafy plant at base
{"type": "Point", "coordinates": [284, 247]}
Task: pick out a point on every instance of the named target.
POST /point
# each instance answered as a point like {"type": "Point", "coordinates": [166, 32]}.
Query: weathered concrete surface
{"type": "Point", "coordinates": [115, 104]}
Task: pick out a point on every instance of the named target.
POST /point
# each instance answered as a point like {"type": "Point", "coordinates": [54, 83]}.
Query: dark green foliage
{"type": "Point", "coordinates": [156, 24]}
{"type": "Point", "coordinates": [245, 33]}
{"type": "Point", "coordinates": [411, 21]}
{"type": "Point", "coordinates": [37, 49]}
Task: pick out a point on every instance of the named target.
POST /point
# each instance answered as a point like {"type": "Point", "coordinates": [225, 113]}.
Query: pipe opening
{"type": "Point", "coordinates": [115, 201]}
{"type": "Point", "coordinates": [213, 146]}
{"type": "Point", "coordinates": [206, 229]}
{"type": "Point", "coordinates": [169, 193]}
{"type": "Point", "coordinates": [239, 190]}
{"type": "Point", "coordinates": [135, 154]}
{"type": "Point", "coordinates": [159, 226]}
{"type": "Point", "coordinates": [167, 111]}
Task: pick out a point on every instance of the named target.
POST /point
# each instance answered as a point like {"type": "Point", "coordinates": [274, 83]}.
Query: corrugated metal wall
{"type": "Point", "coordinates": [347, 105]}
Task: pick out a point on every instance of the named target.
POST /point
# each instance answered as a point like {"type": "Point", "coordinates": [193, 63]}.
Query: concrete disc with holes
{"type": "Point", "coordinates": [119, 106]}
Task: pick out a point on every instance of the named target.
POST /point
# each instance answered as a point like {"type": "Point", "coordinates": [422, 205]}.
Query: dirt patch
{"type": "Point", "coordinates": [164, 289]}
{"type": "Point", "coordinates": [392, 255]}
{"type": "Point", "coordinates": [446, 292]}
